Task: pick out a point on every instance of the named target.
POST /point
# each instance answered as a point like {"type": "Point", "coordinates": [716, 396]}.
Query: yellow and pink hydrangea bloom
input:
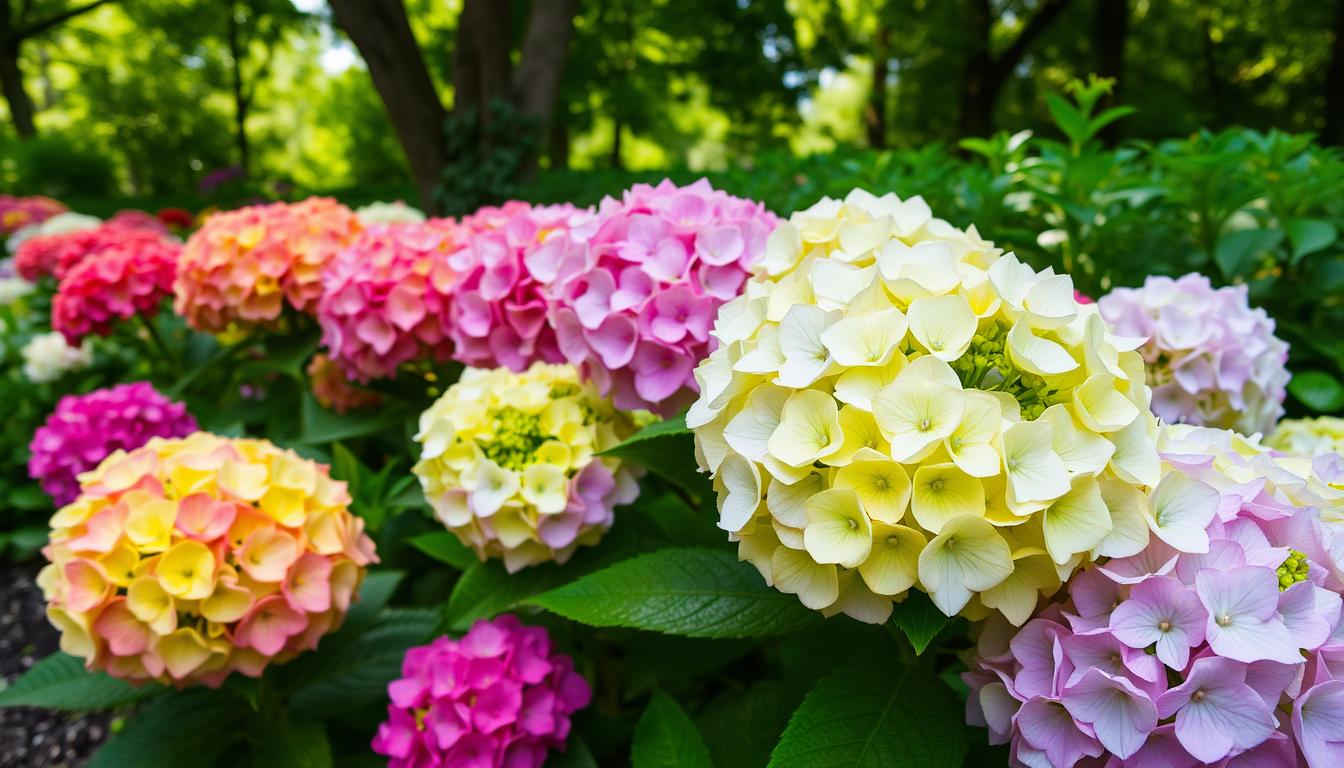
{"type": "Point", "coordinates": [895, 404]}
{"type": "Point", "coordinates": [189, 559]}
{"type": "Point", "coordinates": [509, 463]}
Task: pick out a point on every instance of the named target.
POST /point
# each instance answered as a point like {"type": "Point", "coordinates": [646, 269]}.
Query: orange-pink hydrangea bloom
{"type": "Point", "coordinates": [243, 267]}
{"type": "Point", "coordinates": [191, 558]}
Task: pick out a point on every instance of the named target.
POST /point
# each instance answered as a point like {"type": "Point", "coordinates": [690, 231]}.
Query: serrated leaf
{"type": "Point", "coordinates": [666, 738]}
{"type": "Point", "coordinates": [176, 729]}
{"type": "Point", "coordinates": [689, 592]}
{"type": "Point", "coordinates": [374, 594]}
{"type": "Point", "coordinates": [356, 672]}
{"type": "Point", "coordinates": [1310, 236]}
{"type": "Point", "coordinates": [290, 742]}
{"type": "Point", "coordinates": [60, 681]}
{"type": "Point", "coordinates": [874, 715]}
{"type": "Point", "coordinates": [1317, 390]}
{"type": "Point", "coordinates": [446, 548]}
{"type": "Point", "coordinates": [1236, 251]}
{"type": "Point", "coordinates": [741, 727]}
{"type": "Point", "coordinates": [919, 619]}
{"type": "Point", "coordinates": [667, 449]}
{"type": "Point", "coordinates": [486, 589]}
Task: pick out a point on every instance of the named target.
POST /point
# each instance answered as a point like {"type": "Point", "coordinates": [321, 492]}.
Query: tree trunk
{"type": "Point", "coordinates": [1334, 83]}
{"type": "Point", "coordinates": [240, 104]}
{"type": "Point", "coordinates": [617, 129]}
{"type": "Point", "coordinates": [975, 118]}
{"type": "Point", "coordinates": [382, 33]}
{"type": "Point", "coordinates": [1214, 84]}
{"type": "Point", "coordinates": [16, 96]}
{"type": "Point", "coordinates": [481, 63]}
{"type": "Point", "coordinates": [875, 116]}
{"type": "Point", "coordinates": [1110, 33]}
{"type": "Point", "coordinates": [545, 50]}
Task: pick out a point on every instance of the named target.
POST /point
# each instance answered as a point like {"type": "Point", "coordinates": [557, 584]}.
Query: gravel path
{"type": "Point", "coordinates": [36, 738]}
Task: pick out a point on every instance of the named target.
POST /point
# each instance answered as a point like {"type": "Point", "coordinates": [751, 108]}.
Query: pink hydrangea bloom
{"type": "Point", "coordinates": [499, 305]}
{"type": "Point", "coordinates": [1193, 649]}
{"type": "Point", "coordinates": [632, 306]}
{"type": "Point", "coordinates": [19, 212]}
{"type": "Point", "coordinates": [54, 255]}
{"type": "Point", "coordinates": [120, 281]}
{"type": "Point", "coordinates": [85, 429]}
{"type": "Point", "coordinates": [499, 696]}
{"type": "Point", "coordinates": [385, 297]}
{"type": "Point", "coordinates": [1211, 359]}
{"type": "Point", "coordinates": [332, 387]}
{"type": "Point", "coordinates": [243, 267]}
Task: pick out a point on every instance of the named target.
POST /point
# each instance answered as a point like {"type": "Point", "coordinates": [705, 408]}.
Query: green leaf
{"type": "Point", "coordinates": [1317, 390]}
{"type": "Point", "coordinates": [374, 595]}
{"type": "Point", "coordinates": [60, 681]}
{"type": "Point", "coordinates": [322, 426]}
{"type": "Point", "coordinates": [446, 548]}
{"type": "Point", "coordinates": [1310, 236]}
{"type": "Point", "coordinates": [667, 449]}
{"type": "Point", "coordinates": [874, 714]}
{"type": "Point", "coordinates": [486, 589]}
{"type": "Point", "coordinates": [354, 671]}
{"type": "Point", "coordinates": [666, 738]}
{"type": "Point", "coordinates": [1071, 122]}
{"type": "Point", "coordinates": [1236, 251]}
{"type": "Point", "coordinates": [919, 619]}
{"type": "Point", "coordinates": [289, 742]}
{"type": "Point", "coordinates": [741, 728]}
{"type": "Point", "coordinates": [575, 755]}
{"type": "Point", "coordinates": [690, 592]}
{"type": "Point", "coordinates": [176, 729]}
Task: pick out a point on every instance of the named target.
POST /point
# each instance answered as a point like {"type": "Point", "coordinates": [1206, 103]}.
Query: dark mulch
{"type": "Point", "coordinates": [37, 738]}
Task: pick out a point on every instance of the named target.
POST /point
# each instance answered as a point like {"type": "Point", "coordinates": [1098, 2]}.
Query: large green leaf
{"type": "Point", "coordinates": [666, 738]}
{"type": "Point", "coordinates": [1317, 390]}
{"type": "Point", "coordinates": [1236, 251]}
{"type": "Point", "coordinates": [1310, 236]}
{"type": "Point", "coordinates": [874, 715]}
{"type": "Point", "coordinates": [446, 548]}
{"type": "Point", "coordinates": [354, 672]}
{"type": "Point", "coordinates": [690, 592]}
{"type": "Point", "coordinates": [667, 449]}
{"type": "Point", "coordinates": [177, 729]}
{"type": "Point", "coordinates": [60, 681]}
{"type": "Point", "coordinates": [486, 589]}
{"type": "Point", "coordinates": [322, 426]}
{"type": "Point", "coordinates": [288, 742]}
{"type": "Point", "coordinates": [919, 619]}
{"type": "Point", "coordinates": [741, 727]}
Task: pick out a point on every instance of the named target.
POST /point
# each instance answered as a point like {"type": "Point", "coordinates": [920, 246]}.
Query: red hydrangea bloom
{"type": "Point", "coordinates": [54, 255]}
{"type": "Point", "coordinates": [120, 281]}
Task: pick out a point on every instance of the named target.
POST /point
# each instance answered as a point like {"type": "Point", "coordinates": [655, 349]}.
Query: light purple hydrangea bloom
{"type": "Point", "coordinates": [1212, 360]}
{"type": "Point", "coordinates": [1227, 650]}
{"type": "Point", "coordinates": [499, 696]}
{"type": "Point", "coordinates": [85, 429]}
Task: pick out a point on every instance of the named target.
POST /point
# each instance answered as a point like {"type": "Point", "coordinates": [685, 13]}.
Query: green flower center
{"type": "Point", "coordinates": [1293, 570]}
{"type": "Point", "coordinates": [518, 435]}
{"type": "Point", "coordinates": [986, 366]}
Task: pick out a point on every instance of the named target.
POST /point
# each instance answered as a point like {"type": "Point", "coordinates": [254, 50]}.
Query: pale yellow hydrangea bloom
{"type": "Point", "coordinates": [1308, 437]}
{"type": "Point", "coordinates": [895, 403]}
{"type": "Point", "coordinates": [508, 462]}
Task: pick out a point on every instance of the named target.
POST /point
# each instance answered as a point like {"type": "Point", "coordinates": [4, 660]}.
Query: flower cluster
{"type": "Point", "coordinates": [385, 297]}
{"type": "Point", "coordinates": [395, 212]}
{"type": "Point", "coordinates": [1308, 437]}
{"type": "Point", "coordinates": [896, 404]}
{"type": "Point", "coordinates": [332, 388]}
{"type": "Point", "coordinates": [58, 224]}
{"type": "Point", "coordinates": [190, 558]}
{"type": "Point", "coordinates": [55, 255]}
{"type": "Point", "coordinates": [123, 279]}
{"type": "Point", "coordinates": [19, 212]}
{"type": "Point", "coordinates": [498, 697]}
{"type": "Point", "coordinates": [47, 357]}
{"type": "Point", "coordinates": [632, 305]}
{"type": "Point", "coordinates": [499, 304]}
{"type": "Point", "coordinates": [1193, 650]}
{"type": "Point", "coordinates": [508, 463]}
{"type": "Point", "coordinates": [85, 429]}
{"type": "Point", "coordinates": [1211, 359]}
{"type": "Point", "coordinates": [242, 267]}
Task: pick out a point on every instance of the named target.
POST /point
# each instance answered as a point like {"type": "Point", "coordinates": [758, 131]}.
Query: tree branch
{"type": "Point", "coordinates": [39, 27]}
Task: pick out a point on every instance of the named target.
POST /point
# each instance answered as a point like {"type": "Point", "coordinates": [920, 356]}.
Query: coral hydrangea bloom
{"type": "Point", "coordinates": [1212, 360]}
{"type": "Point", "coordinates": [55, 255]}
{"type": "Point", "coordinates": [118, 282]}
{"type": "Point", "coordinates": [508, 463]}
{"type": "Point", "coordinates": [85, 429]}
{"type": "Point", "coordinates": [499, 697]}
{"type": "Point", "coordinates": [19, 212]}
{"type": "Point", "coordinates": [333, 389]}
{"type": "Point", "coordinates": [632, 305]}
{"type": "Point", "coordinates": [1218, 636]}
{"type": "Point", "coordinates": [243, 267]}
{"type": "Point", "coordinates": [897, 404]}
{"type": "Point", "coordinates": [386, 296]}
{"type": "Point", "coordinates": [1308, 437]}
{"type": "Point", "coordinates": [499, 304]}
{"type": "Point", "coordinates": [192, 558]}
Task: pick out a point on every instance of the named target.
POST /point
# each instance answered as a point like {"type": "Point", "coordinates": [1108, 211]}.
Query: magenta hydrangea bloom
{"type": "Point", "coordinates": [1195, 649]}
{"type": "Point", "coordinates": [385, 297]}
{"type": "Point", "coordinates": [85, 429]}
{"type": "Point", "coordinates": [1211, 359]}
{"type": "Point", "coordinates": [499, 303]}
{"type": "Point", "coordinates": [499, 696]}
{"type": "Point", "coordinates": [632, 305]}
